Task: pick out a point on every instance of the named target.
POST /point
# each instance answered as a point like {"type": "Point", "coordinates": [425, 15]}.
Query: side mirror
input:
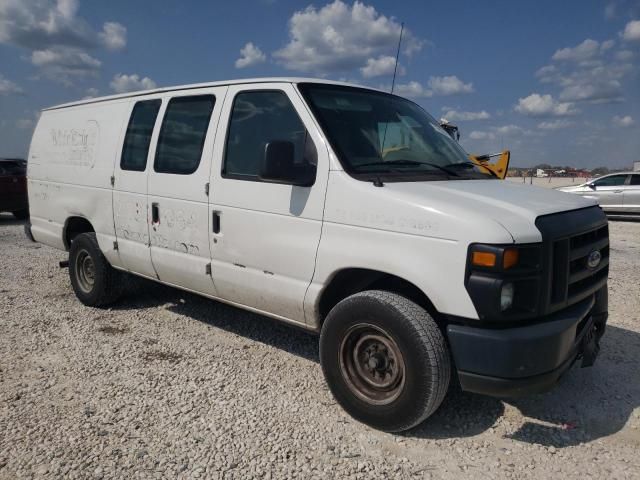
{"type": "Point", "coordinates": [278, 165]}
{"type": "Point", "coordinates": [592, 186]}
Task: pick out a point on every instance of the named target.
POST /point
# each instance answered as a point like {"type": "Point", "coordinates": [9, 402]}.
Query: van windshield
{"type": "Point", "coordinates": [376, 135]}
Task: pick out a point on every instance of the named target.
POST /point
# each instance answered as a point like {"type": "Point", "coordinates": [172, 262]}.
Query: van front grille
{"type": "Point", "coordinates": [570, 239]}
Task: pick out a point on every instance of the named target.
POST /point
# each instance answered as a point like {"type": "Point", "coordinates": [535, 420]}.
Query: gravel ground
{"type": "Point", "coordinates": [169, 385]}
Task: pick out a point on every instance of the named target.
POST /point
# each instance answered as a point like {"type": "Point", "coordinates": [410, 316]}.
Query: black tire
{"type": "Point", "coordinates": [21, 214]}
{"type": "Point", "coordinates": [85, 256]}
{"type": "Point", "coordinates": [417, 374]}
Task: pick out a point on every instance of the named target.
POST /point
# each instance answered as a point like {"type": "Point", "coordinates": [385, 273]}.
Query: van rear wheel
{"type": "Point", "coordinates": [385, 360]}
{"type": "Point", "coordinates": [95, 282]}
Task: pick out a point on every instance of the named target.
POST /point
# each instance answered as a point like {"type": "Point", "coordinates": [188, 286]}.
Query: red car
{"type": "Point", "coordinates": [13, 187]}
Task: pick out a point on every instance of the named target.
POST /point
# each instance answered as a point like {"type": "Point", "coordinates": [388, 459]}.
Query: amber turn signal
{"type": "Point", "coordinates": [484, 259]}
{"type": "Point", "coordinates": [510, 258]}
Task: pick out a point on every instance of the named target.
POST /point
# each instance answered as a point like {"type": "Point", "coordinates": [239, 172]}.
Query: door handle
{"type": "Point", "coordinates": [617, 191]}
{"type": "Point", "coordinates": [215, 221]}
{"type": "Point", "coordinates": [155, 213]}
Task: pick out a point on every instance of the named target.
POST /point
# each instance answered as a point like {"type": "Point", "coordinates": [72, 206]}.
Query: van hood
{"type": "Point", "coordinates": [514, 206]}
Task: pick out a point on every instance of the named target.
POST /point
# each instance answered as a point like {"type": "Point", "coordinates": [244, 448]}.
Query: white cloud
{"type": "Point", "coordinates": [449, 85]}
{"type": "Point", "coordinates": [597, 92]}
{"type": "Point", "coordinates": [632, 31]}
{"type": "Point", "coordinates": [250, 55]}
{"type": "Point", "coordinates": [624, 55]}
{"type": "Point", "coordinates": [585, 51]}
{"type": "Point", "coordinates": [113, 36]}
{"type": "Point", "coordinates": [625, 121]}
{"type": "Point", "coordinates": [91, 93]}
{"type": "Point", "coordinates": [508, 131]}
{"type": "Point", "coordinates": [536, 105]}
{"type": "Point", "coordinates": [29, 121]}
{"type": "Point", "coordinates": [340, 38]}
{"type": "Point", "coordinates": [412, 89]}
{"type": "Point", "coordinates": [607, 45]}
{"type": "Point", "coordinates": [456, 115]}
{"type": "Point", "coordinates": [480, 135]}
{"type": "Point", "coordinates": [63, 63]}
{"type": "Point", "coordinates": [383, 65]}
{"type": "Point", "coordinates": [555, 124]}
{"type": "Point", "coordinates": [122, 83]}
{"type": "Point", "coordinates": [436, 86]}
{"type": "Point", "coordinates": [53, 30]}
{"type": "Point", "coordinates": [546, 73]}
{"type": "Point", "coordinates": [7, 87]}
{"type": "Point", "coordinates": [25, 123]}
{"type": "Point", "coordinates": [39, 24]}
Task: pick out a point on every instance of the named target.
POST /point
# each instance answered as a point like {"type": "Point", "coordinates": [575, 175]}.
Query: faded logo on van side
{"type": "Point", "coordinates": [75, 146]}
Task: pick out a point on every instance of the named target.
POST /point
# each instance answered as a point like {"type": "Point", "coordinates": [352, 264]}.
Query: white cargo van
{"type": "Point", "coordinates": [340, 209]}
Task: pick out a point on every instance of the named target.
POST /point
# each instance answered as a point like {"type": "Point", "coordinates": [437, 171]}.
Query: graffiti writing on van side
{"type": "Point", "coordinates": [178, 228]}
{"type": "Point", "coordinates": [75, 146]}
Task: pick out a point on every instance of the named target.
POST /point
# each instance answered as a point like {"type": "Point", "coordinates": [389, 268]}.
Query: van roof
{"type": "Point", "coordinates": [241, 81]}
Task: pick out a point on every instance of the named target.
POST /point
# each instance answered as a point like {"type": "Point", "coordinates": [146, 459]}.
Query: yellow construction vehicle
{"type": "Point", "coordinates": [499, 168]}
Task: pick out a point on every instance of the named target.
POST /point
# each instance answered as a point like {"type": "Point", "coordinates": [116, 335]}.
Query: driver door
{"type": "Point", "coordinates": [609, 191]}
{"type": "Point", "coordinates": [264, 235]}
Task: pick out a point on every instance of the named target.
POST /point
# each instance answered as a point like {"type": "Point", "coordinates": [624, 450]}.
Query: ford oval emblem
{"type": "Point", "coordinates": [594, 259]}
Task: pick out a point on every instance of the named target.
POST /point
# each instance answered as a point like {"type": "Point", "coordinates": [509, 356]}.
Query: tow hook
{"type": "Point", "coordinates": [64, 264]}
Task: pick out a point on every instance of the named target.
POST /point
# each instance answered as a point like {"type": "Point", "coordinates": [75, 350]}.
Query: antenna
{"type": "Point", "coordinates": [393, 84]}
{"type": "Point", "coordinates": [395, 68]}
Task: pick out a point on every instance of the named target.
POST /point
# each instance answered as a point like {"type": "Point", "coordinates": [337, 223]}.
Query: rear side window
{"type": "Point", "coordinates": [138, 137]}
{"type": "Point", "coordinates": [635, 180]}
{"type": "Point", "coordinates": [612, 181]}
{"type": "Point", "coordinates": [257, 118]}
{"type": "Point", "coordinates": [183, 133]}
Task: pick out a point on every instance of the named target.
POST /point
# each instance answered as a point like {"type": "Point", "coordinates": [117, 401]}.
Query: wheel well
{"type": "Point", "coordinates": [73, 227]}
{"type": "Point", "coordinates": [353, 280]}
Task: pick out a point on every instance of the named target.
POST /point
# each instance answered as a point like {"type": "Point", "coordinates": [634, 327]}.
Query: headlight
{"type": "Point", "coordinates": [504, 281]}
{"type": "Point", "coordinates": [506, 296]}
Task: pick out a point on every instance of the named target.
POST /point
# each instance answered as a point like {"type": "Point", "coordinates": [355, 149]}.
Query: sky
{"type": "Point", "coordinates": [555, 82]}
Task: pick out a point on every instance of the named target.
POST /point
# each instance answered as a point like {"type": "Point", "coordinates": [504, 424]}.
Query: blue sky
{"type": "Point", "coordinates": [556, 82]}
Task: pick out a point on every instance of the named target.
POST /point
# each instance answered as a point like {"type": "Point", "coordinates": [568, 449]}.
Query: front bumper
{"type": "Point", "coordinates": [516, 361]}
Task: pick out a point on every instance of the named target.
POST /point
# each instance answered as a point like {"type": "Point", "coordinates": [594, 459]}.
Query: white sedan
{"type": "Point", "coordinates": [618, 193]}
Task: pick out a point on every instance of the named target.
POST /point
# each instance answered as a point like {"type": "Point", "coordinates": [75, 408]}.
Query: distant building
{"type": "Point", "coordinates": [636, 166]}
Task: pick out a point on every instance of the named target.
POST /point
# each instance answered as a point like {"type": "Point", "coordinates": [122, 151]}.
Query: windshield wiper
{"type": "Point", "coordinates": [409, 163]}
{"type": "Point", "coordinates": [471, 165]}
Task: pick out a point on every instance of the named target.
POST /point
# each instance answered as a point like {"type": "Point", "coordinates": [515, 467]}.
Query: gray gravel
{"type": "Point", "coordinates": [167, 385]}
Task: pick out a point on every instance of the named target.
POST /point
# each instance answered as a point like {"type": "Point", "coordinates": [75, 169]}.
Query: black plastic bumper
{"type": "Point", "coordinates": [517, 361]}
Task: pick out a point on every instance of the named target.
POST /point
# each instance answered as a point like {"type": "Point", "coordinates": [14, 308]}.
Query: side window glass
{"type": "Point", "coordinates": [635, 179]}
{"type": "Point", "coordinates": [612, 181]}
{"type": "Point", "coordinates": [138, 136]}
{"type": "Point", "coordinates": [257, 118]}
{"type": "Point", "coordinates": [183, 133]}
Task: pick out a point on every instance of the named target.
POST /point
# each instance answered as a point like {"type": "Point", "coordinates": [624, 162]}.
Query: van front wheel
{"type": "Point", "coordinates": [95, 282]}
{"type": "Point", "coordinates": [385, 360]}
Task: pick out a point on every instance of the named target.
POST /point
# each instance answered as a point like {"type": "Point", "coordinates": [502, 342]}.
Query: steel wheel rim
{"type": "Point", "coordinates": [371, 364]}
{"type": "Point", "coordinates": [85, 271]}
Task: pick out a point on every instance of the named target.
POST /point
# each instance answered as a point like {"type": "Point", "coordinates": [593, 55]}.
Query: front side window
{"type": "Point", "coordinates": [183, 133]}
{"type": "Point", "coordinates": [138, 136]}
{"type": "Point", "coordinates": [376, 134]}
{"type": "Point", "coordinates": [612, 181]}
{"type": "Point", "coordinates": [635, 180]}
{"type": "Point", "coordinates": [257, 118]}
